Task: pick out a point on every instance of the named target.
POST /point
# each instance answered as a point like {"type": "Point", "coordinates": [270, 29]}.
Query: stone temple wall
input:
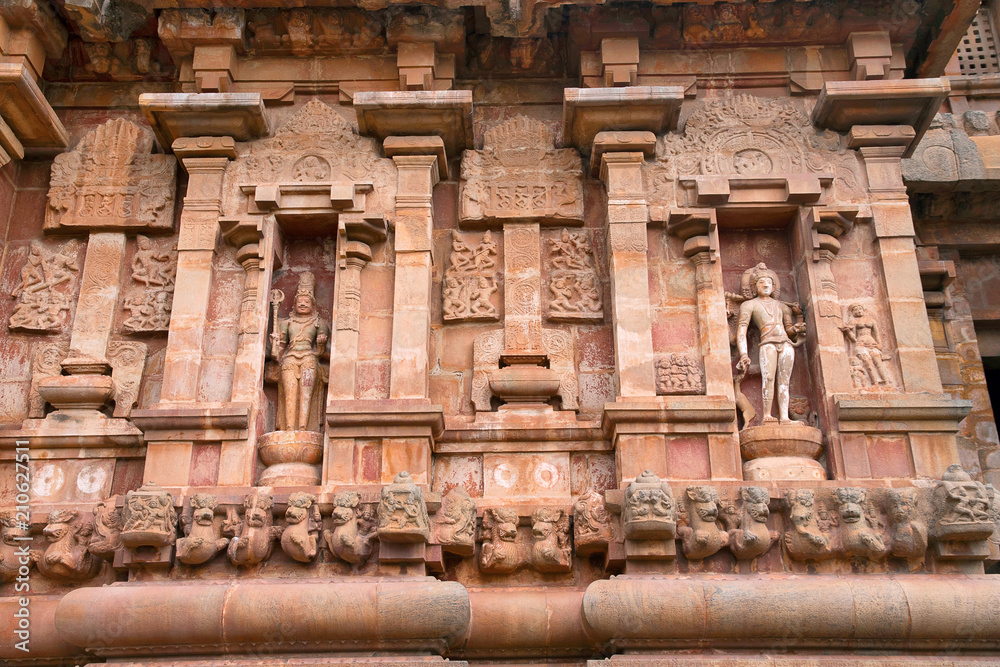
{"type": "Point", "coordinates": [507, 333]}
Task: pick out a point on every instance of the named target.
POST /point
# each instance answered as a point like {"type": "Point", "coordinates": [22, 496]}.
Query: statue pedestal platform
{"type": "Point", "coordinates": [292, 458]}
{"type": "Point", "coordinates": [782, 451]}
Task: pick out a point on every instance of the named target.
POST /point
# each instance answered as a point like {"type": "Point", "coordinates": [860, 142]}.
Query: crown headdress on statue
{"type": "Point", "coordinates": [307, 287]}
{"type": "Point", "coordinates": [748, 282]}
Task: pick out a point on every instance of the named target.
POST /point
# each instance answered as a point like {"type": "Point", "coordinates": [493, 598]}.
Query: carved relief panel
{"type": "Point", "coordinates": [469, 291]}
{"type": "Point", "coordinates": [149, 297]}
{"type": "Point", "coordinates": [574, 286]}
{"type": "Point", "coordinates": [44, 299]}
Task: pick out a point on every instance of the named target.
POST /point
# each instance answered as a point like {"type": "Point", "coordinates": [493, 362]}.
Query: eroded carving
{"type": "Point", "coordinates": [315, 31]}
{"type": "Point", "coordinates": [499, 553]}
{"type": "Point", "coordinates": [857, 530]}
{"type": "Point", "coordinates": [354, 530]}
{"type": "Point", "coordinates": [865, 347]}
{"type": "Point", "coordinates": [402, 514]}
{"type": "Point", "coordinates": [702, 536]}
{"type": "Point", "coordinates": [46, 360]}
{"type": "Point", "coordinates": [551, 551]}
{"type": "Point", "coordinates": [962, 508]}
{"type": "Point", "coordinates": [154, 268]}
{"type": "Point", "coordinates": [300, 538]}
{"type": "Point", "coordinates": [592, 527]}
{"type": "Point", "coordinates": [679, 374]}
{"type": "Point", "coordinates": [520, 174]}
{"type": "Point", "coordinates": [574, 288]}
{"type": "Point", "coordinates": [148, 518]}
{"type": "Point", "coordinates": [111, 181]}
{"type": "Point", "coordinates": [128, 361]}
{"type": "Point", "coordinates": [253, 533]}
{"type": "Point", "coordinates": [67, 557]}
{"type": "Point", "coordinates": [44, 298]}
{"type": "Point", "coordinates": [106, 539]}
{"type": "Point", "coordinates": [805, 540]}
{"type": "Point", "coordinates": [455, 523]}
{"type": "Point", "coordinates": [750, 537]}
{"type": "Point", "coordinates": [909, 528]}
{"type": "Point", "coordinates": [16, 558]}
{"type": "Point", "coordinates": [648, 512]}
{"type": "Point", "coordinates": [470, 281]}
{"type": "Point", "coordinates": [203, 536]}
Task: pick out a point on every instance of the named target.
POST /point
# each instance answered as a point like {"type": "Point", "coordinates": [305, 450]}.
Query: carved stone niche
{"type": "Point", "coordinates": [315, 168]}
{"type": "Point", "coordinates": [520, 175]}
{"type": "Point", "coordinates": [110, 181]}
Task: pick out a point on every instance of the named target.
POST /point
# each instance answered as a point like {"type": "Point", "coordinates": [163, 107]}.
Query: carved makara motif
{"type": "Point", "coordinates": [455, 523]}
{"type": "Point", "coordinates": [909, 529]}
{"type": "Point", "coordinates": [702, 536]}
{"type": "Point", "coordinates": [592, 526]}
{"type": "Point", "coordinates": [574, 288]}
{"type": "Point", "coordinates": [354, 531]}
{"type": "Point", "coordinates": [402, 514]}
{"type": "Point", "coordinates": [46, 361]}
{"type": "Point", "coordinates": [148, 518]}
{"type": "Point", "coordinates": [470, 281]}
{"type": "Point", "coordinates": [253, 533]}
{"type": "Point", "coordinates": [865, 347]}
{"type": "Point", "coordinates": [110, 180]}
{"type": "Point", "coordinates": [16, 558]}
{"type": "Point", "coordinates": [780, 330]}
{"type": "Point", "coordinates": [203, 536]}
{"type": "Point", "coordinates": [149, 302]}
{"type": "Point", "coordinates": [67, 557]}
{"type": "Point", "coordinates": [499, 553]}
{"type": "Point", "coordinates": [749, 136]}
{"type": "Point", "coordinates": [520, 174]}
{"type": "Point", "coordinates": [962, 508]}
{"type": "Point", "coordinates": [751, 537]}
{"type": "Point", "coordinates": [679, 374]}
{"type": "Point", "coordinates": [127, 360]}
{"type": "Point", "coordinates": [804, 539]}
{"type": "Point", "coordinates": [857, 525]}
{"type": "Point", "coordinates": [44, 298]}
{"type": "Point", "coordinates": [551, 551]}
{"type": "Point", "coordinates": [648, 512]}
{"type": "Point", "coordinates": [106, 539]}
{"type": "Point", "coordinates": [300, 538]}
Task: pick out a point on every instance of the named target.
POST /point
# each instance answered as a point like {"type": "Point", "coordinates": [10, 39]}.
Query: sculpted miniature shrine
{"type": "Point", "coordinates": [510, 332]}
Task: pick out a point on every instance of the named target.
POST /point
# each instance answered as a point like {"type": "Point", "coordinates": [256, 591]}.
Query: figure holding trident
{"type": "Point", "coordinates": [779, 336]}
{"type": "Point", "coordinates": [297, 342]}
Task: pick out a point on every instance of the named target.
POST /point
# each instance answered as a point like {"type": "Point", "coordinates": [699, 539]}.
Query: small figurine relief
{"type": "Point", "coordinates": [254, 533]}
{"type": "Point", "coordinates": [858, 536]}
{"type": "Point", "coordinates": [499, 553]}
{"type": "Point", "coordinates": [470, 281]}
{"type": "Point", "coordinates": [203, 536]}
{"type": "Point", "coordinates": [574, 288]}
{"type": "Point", "coordinates": [16, 558]}
{"type": "Point", "coordinates": [298, 342]}
{"type": "Point", "coordinates": [867, 368]}
{"type": "Point", "coordinates": [148, 518]}
{"type": "Point", "coordinates": [805, 540]}
{"type": "Point", "coordinates": [44, 298]}
{"type": "Point", "coordinates": [354, 531]}
{"type": "Point", "coordinates": [551, 551]}
{"type": "Point", "coordinates": [300, 538]}
{"type": "Point", "coordinates": [750, 537]}
{"type": "Point", "coordinates": [781, 330]}
{"type": "Point", "coordinates": [519, 173]}
{"type": "Point", "coordinates": [909, 532]}
{"type": "Point", "coordinates": [112, 181]}
{"type": "Point", "coordinates": [402, 514]}
{"type": "Point", "coordinates": [679, 374]}
{"type": "Point", "coordinates": [153, 273]}
{"type": "Point", "coordinates": [67, 557]}
{"type": "Point", "coordinates": [46, 361]}
{"type": "Point", "coordinates": [592, 527]}
{"type": "Point", "coordinates": [702, 536]}
{"type": "Point", "coordinates": [962, 508]}
{"type": "Point", "coordinates": [455, 523]}
{"type": "Point", "coordinates": [106, 539]}
{"type": "Point", "coordinates": [648, 512]}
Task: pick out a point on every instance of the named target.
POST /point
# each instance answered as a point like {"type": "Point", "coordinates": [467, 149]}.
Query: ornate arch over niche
{"type": "Point", "coordinates": [316, 154]}
{"type": "Point", "coordinates": [752, 137]}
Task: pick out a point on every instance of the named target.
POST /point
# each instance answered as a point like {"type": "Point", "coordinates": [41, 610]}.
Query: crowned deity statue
{"type": "Point", "coordinates": [780, 334]}
{"type": "Point", "coordinates": [297, 343]}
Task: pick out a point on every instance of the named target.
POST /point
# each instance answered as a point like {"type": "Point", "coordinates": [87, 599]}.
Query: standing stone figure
{"type": "Point", "coordinates": [779, 336]}
{"type": "Point", "coordinates": [862, 331]}
{"type": "Point", "coordinates": [297, 343]}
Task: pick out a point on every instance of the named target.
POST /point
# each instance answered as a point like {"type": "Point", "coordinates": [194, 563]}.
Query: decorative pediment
{"type": "Point", "coordinates": [111, 181]}
{"type": "Point", "coordinates": [520, 173]}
